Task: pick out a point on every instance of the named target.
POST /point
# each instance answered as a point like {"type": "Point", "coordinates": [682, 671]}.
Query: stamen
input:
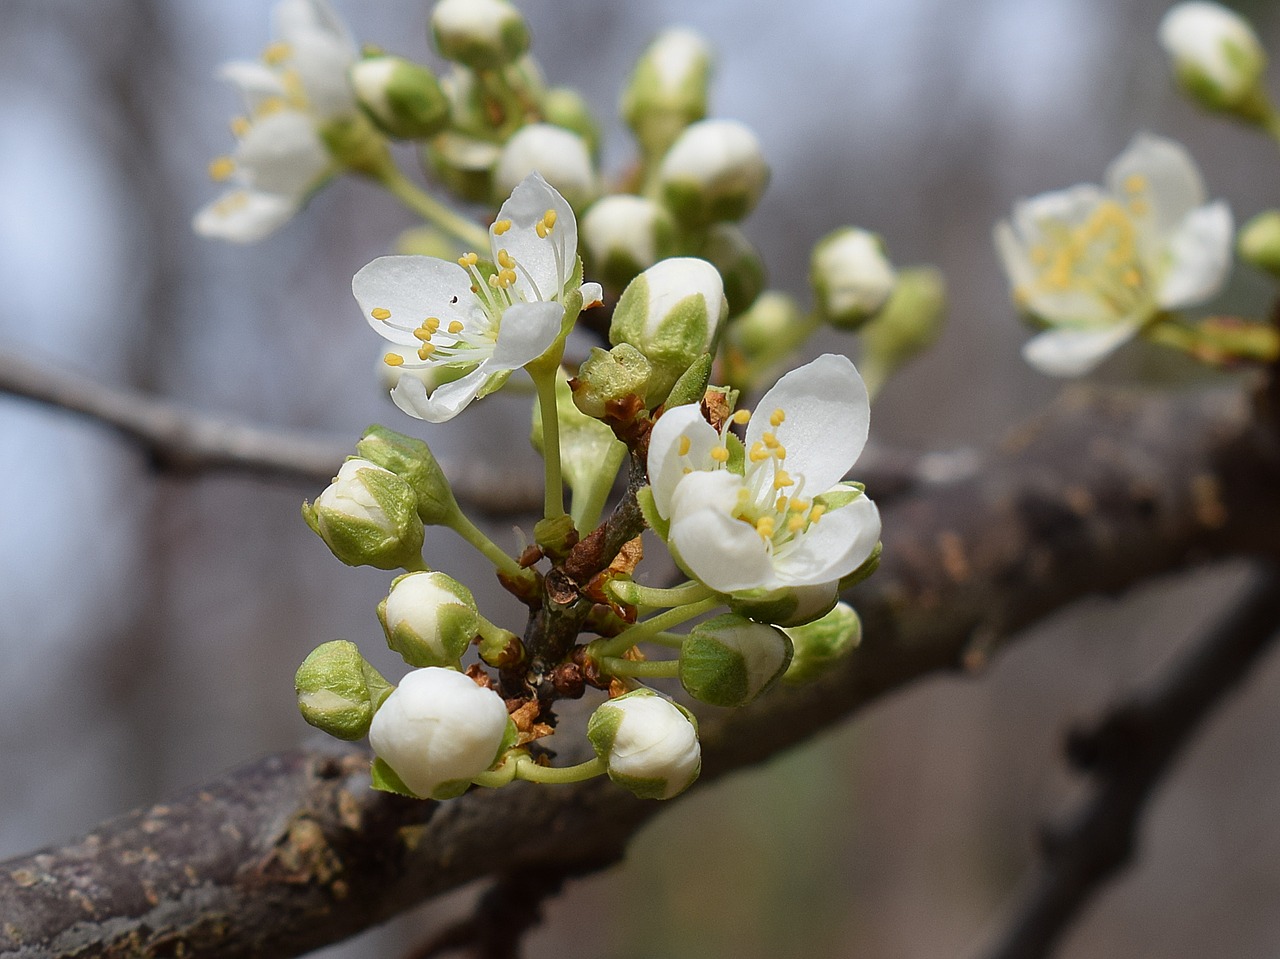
{"type": "Point", "coordinates": [776, 418]}
{"type": "Point", "coordinates": [540, 228]}
{"type": "Point", "coordinates": [455, 327]}
{"type": "Point", "coordinates": [780, 452]}
{"type": "Point", "coordinates": [764, 526]}
{"type": "Point", "coordinates": [276, 53]}
{"type": "Point", "coordinates": [780, 505]}
{"type": "Point", "coordinates": [505, 260]}
{"type": "Point", "coordinates": [815, 514]}
{"type": "Point", "coordinates": [221, 168]}
{"type": "Point", "coordinates": [393, 359]}
{"type": "Point", "coordinates": [240, 127]}
{"type": "Point", "coordinates": [494, 281]}
{"type": "Point", "coordinates": [799, 505]}
{"type": "Point", "coordinates": [269, 105]}
{"type": "Point", "coordinates": [422, 333]}
{"type": "Point", "coordinates": [770, 441]}
{"type": "Point", "coordinates": [380, 313]}
{"type": "Point", "coordinates": [685, 444]}
{"type": "Point", "coordinates": [795, 524]}
{"type": "Point", "coordinates": [425, 351]}
{"type": "Point", "coordinates": [719, 454]}
{"type": "Point", "coordinates": [1135, 183]}
{"type": "Point", "coordinates": [549, 218]}
{"type": "Point", "coordinates": [742, 417]}
{"type": "Point", "coordinates": [782, 480]}
{"type": "Point", "coordinates": [758, 453]}
{"type": "Point", "coordinates": [501, 227]}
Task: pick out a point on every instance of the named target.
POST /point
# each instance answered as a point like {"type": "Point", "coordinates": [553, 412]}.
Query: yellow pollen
{"type": "Point", "coordinates": [269, 105]}
{"type": "Point", "coordinates": [221, 168]}
{"type": "Point", "coordinates": [780, 452]}
{"type": "Point", "coordinates": [1132, 277]}
{"type": "Point", "coordinates": [742, 417]}
{"type": "Point", "coordinates": [1139, 207]}
{"type": "Point", "coordinates": [776, 418]}
{"type": "Point", "coordinates": [501, 227]}
{"type": "Point", "coordinates": [277, 53]}
{"type": "Point", "coordinates": [508, 278]}
{"type": "Point", "coordinates": [425, 351]}
{"type": "Point", "coordinates": [393, 359]}
{"type": "Point", "coordinates": [770, 440]}
{"type": "Point", "coordinates": [815, 514]}
{"type": "Point", "coordinates": [782, 480]}
{"type": "Point", "coordinates": [549, 218]}
{"type": "Point", "coordinates": [720, 454]}
{"type": "Point", "coordinates": [431, 324]}
{"type": "Point", "coordinates": [468, 259]}
{"type": "Point", "coordinates": [780, 506]}
{"type": "Point", "coordinates": [541, 229]}
{"type": "Point", "coordinates": [795, 524]}
{"type": "Point", "coordinates": [764, 526]}
{"type": "Point", "coordinates": [240, 126]}
{"type": "Point", "coordinates": [758, 452]}
{"type": "Point", "coordinates": [688, 470]}
{"type": "Point", "coordinates": [799, 505]}
{"type": "Point", "coordinates": [505, 260]}
{"type": "Point", "coordinates": [422, 333]}
{"type": "Point", "coordinates": [380, 313]}
{"type": "Point", "coordinates": [744, 494]}
{"type": "Point", "coordinates": [685, 443]}
{"type": "Point", "coordinates": [1135, 183]}
{"type": "Point", "coordinates": [455, 327]}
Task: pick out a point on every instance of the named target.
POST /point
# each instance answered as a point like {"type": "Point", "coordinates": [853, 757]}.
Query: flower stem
{"type": "Point", "coordinates": [529, 770]}
{"type": "Point", "coordinates": [588, 503]}
{"type": "Point", "coordinates": [432, 210]}
{"type": "Point", "coordinates": [633, 594]}
{"type": "Point", "coordinates": [487, 547]}
{"type": "Point", "coordinates": [416, 565]}
{"type": "Point", "coordinates": [544, 381]}
{"type": "Point", "coordinates": [652, 626]}
{"type": "Point", "coordinates": [647, 669]}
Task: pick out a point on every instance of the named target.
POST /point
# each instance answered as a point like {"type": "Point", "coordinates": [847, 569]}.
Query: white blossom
{"type": "Point", "coordinates": [1095, 264]}
{"type": "Point", "coordinates": [1214, 50]}
{"type": "Point", "coordinates": [851, 275]}
{"type": "Point", "coordinates": [560, 156]}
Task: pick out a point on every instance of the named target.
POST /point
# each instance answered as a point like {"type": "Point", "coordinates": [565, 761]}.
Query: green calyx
{"type": "Point", "coordinates": [402, 98]}
{"type": "Point", "coordinates": [338, 691]}
{"type": "Point", "coordinates": [412, 461]}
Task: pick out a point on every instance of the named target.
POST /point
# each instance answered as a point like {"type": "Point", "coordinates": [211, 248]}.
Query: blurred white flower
{"type": "Point", "coordinates": [1215, 52]}
{"type": "Point", "coordinates": [559, 155]}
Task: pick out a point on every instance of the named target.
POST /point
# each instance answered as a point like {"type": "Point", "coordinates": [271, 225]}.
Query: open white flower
{"type": "Point", "coordinates": [438, 312]}
{"type": "Point", "coordinates": [299, 83]}
{"type": "Point", "coordinates": [768, 527]}
{"type": "Point", "coordinates": [1095, 264]}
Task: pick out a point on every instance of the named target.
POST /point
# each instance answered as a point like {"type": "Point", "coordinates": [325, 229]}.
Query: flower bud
{"type": "Point", "coordinates": [648, 743]}
{"type": "Point", "coordinates": [819, 645]}
{"type": "Point", "coordinates": [368, 516]}
{"type": "Point", "coordinates": [1259, 242]}
{"type": "Point", "coordinates": [482, 34]}
{"type": "Point", "coordinates": [768, 328]}
{"type": "Point", "coordinates": [464, 164]}
{"type": "Point", "coordinates": [671, 313]}
{"type": "Point", "coordinates": [437, 731]}
{"type": "Point", "coordinates": [668, 88]}
{"type": "Point", "coordinates": [729, 251]}
{"type": "Point", "coordinates": [788, 606]}
{"type": "Point", "coordinates": [402, 98]}
{"type": "Point", "coordinates": [607, 378]}
{"type": "Point", "coordinates": [1216, 56]}
{"type": "Point", "coordinates": [560, 155]}
{"type": "Point", "coordinates": [338, 691]}
{"type": "Point", "coordinates": [565, 107]}
{"type": "Point", "coordinates": [907, 325]}
{"type": "Point", "coordinates": [429, 618]}
{"type": "Point", "coordinates": [851, 276]}
{"type": "Point", "coordinates": [411, 460]}
{"type": "Point", "coordinates": [729, 661]}
{"type": "Point", "coordinates": [622, 235]}
{"type": "Point", "coordinates": [714, 171]}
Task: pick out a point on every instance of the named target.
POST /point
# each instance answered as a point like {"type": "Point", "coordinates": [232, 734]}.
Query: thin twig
{"type": "Point", "coordinates": [1129, 753]}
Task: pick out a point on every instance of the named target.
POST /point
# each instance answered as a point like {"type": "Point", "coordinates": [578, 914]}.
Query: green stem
{"type": "Point", "coordinates": [416, 564]}
{"type": "Point", "coordinates": [432, 210]}
{"type": "Point", "coordinates": [588, 504]}
{"type": "Point", "coordinates": [496, 778]}
{"type": "Point", "coordinates": [544, 381]}
{"type": "Point", "coordinates": [634, 594]}
{"type": "Point", "coordinates": [528, 770]}
{"type": "Point", "coordinates": [648, 669]}
{"type": "Point", "coordinates": [670, 640]}
{"type": "Point", "coordinates": [487, 547]}
{"type": "Point", "coordinates": [652, 626]}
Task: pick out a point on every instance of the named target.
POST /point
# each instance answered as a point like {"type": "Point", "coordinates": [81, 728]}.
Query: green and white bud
{"type": "Point", "coordinates": [368, 516]}
{"type": "Point", "coordinates": [729, 660]}
{"type": "Point", "coordinates": [714, 171]}
{"type": "Point", "coordinates": [402, 98]}
{"type": "Point", "coordinates": [649, 744]}
{"type": "Point", "coordinates": [622, 235]}
{"type": "Point", "coordinates": [788, 606]}
{"type": "Point", "coordinates": [437, 731]}
{"type": "Point", "coordinates": [729, 251]}
{"type": "Point", "coordinates": [821, 644]}
{"type": "Point", "coordinates": [338, 691]}
{"type": "Point", "coordinates": [1216, 57]}
{"type": "Point", "coordinates": [1259, 242]}
{"type": "Point", "coordinates": [560, 155]}
{"type": "Point", "coordinates": [851, 276]}
{"type": "Point", "coordinates": [411, 460]}
{"type": "Point", "coordinates": [668, 88]}
{"type": "Point", "coordinates": [908, 325]}
{"type": "Point", "coordinates": [672, 313]}
{"type": "Point", "coordinates": [464, 164]}
{"type": "Point", "coordinates": [482, 34]}
{"type": "Point", "coordinates": [607, 377]}
{"type": "Point", "coordinates": [430, 619]}
{"type": "Point", "coordinates": [565, 107]}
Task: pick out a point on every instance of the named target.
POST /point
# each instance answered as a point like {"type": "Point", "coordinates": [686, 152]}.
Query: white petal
{"type": "Point", "coordinates": [725, 553]}
{"type": "Point", "coordinates": [322, 64]}
{"type": "Point", "coordinates": [282, 153]}
{"type": "Point", "coordinates": [833, 547]}
{"type": "Point", "coordinates": [445, 402]}
{"type": "Point", "coordinates": [557, 154]}
{"type": "Point", "coordinates": [1199, 257]}
{"type": "Point", "coordinates": [413, 288]}
{"type": "Point", "coordinates": [548, 260]}
{"type": "Point", "coordinates": [1074, 352]}
{"type": "Point", "coordinates": [592, 295]}
{"type": "Point", "coordinates": [827, 417]}
{"type": "Point", "coordinates": [1170, 183]}
{"type": "Point", "coordinates": [527, 330]}
{"type": "Point", "coordinates": [666, 465]}
{"type": "Point", "coordinates": [255, 81]}
{"type": "Point", "coordinates": [297, 19]}
{"type": "Point", "coordinates": [244, 216]}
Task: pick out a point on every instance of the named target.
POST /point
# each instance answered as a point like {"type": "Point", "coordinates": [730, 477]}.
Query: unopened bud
{"type": "Point", "coordinates": [565, 107]}
{"type": "Point", "coordinates": [851, 276]}
{"type": "Point", "coordinates": [668, 88]}
{"type": "Point", "coordinates": [368, 516]}
{"type": "Point", "coordinates": [1259, 242]}
{"type": "Point", "coordinates": [821, 644]}
{"type": "Point", "coordinates": [464, 164]}
{"type": "Point", "coordinates": [788, 606]}
{"type": "Point", "coordinates": [429, 619]}
{"type": "Point", "coordinates": [907, 325]}
{"type": "Point", "coordinates": [402, 98]}
{"type": "Point", "coordinates": [482, 34]}
{"type": "Point", "coordinates": [609, 377]}
{"type": "Point", "coordinates": [560, 155]}
{"type": "Point", "coordinates": [338, 691]}
{"type": "Point", "coordinates": [648, 743]}
{"type": "Point", "coordinates": [622, 235]}
{"type": "Point", "coordinates": [729, 251]}
{"type": "Point", "coordinates": [729, 660]}
{"type": "Point", "coordinates": [714, 171]}
{"type": "Point", "coordinates": [1216, 56]}
{"type": "Point", "coordinates": [411, 460]}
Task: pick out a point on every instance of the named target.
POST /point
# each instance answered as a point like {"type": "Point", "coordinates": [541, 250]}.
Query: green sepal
{"type": "Point", "coordinates": [841, 495]}
{"type": "Point", "coordinates": [692, 384]}
{"type": "Point", "coordinates": [412, 460]}
{"type": "Point", "coordinates": [869, 566]}
{"type": "Point", "coordinates": [451, 789]}
{"type": "Point", "coordinates": [384, 779]}
{"type": "Point", "coordinates": [736, 463]}
{"type": "Point", "coordinates": [649, 510]}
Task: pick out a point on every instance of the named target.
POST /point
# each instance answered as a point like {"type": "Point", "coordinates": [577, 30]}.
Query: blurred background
{"type": "Point", "coordinates": [151, 626]}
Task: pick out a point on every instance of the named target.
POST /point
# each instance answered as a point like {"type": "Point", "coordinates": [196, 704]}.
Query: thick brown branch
{"type": "Point", "coordinates": [295, 852]}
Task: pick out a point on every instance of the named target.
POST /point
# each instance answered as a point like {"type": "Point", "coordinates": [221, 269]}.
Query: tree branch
{"type": "Point", "coordinates": [1129, 753]}
{"type": "Point", "coordinates": [295, 852]}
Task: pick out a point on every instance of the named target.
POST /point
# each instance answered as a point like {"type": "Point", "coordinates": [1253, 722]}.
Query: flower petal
{"type": "Point", "coordinates": [255, 81]}
{"type": "Point", "coordinates": [244, 216]}
{"type": "Point", "coordinates": [1199, 253]}
{"type": "Point", "coordinates": [1074, 352]}
{"type": "Point", "coordinates": [1159, 173]}
{"type": "Point", "coordinates": [322, 63]}
{"type": "Point", "coordinates": [294, 20]}
{"type": "Point", "coordinates": [713, 547]}
{"type": "Point", "coordinates": [282, 153]}
{"type": "Point", "coordinates": [445, 402]}
{"type": "Point", "coordinates": [527, 331]}
{"type": "Point", "coordinates": [592, 295]}
{"type": "Point", "coordinates": [827, 417]}
{"type": "Point", "coordinates": [546, 262]}
{"type": "Point", "coordinates": [666, 465]}
{"type": "Point", "coordinates": [412, 288]}
{"type": "Point", "coordinates": [831, 548]}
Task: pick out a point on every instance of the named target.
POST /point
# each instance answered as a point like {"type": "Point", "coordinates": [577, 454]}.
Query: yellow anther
{"type": "Point", "coordinates": [770, 440]}
{"type": "Point", "coordinates": [501, 227]}
{"type": "Point", "coordinates": [393, 359]}
{"type": "Point", "coordinates": [720, 454]}
{"type": "Point", "coordinates": [269, 105]}
{"type": "Point", "coordinates": [780, 452]}
{"type": "Point", "coordinates": [221, 168]}
{"type": "Point", "coordinates": [815, 514]}
{"type": "Point", "coordinates": [380, 313]}
{"type": "Point", "coordinates": [742, 417]}
{"type": "Point", "coordinates": [425, 351]}
{"type": "Point", "coordinates": [688, 470]}
{"type": "Point", "coordinates": [744, 494]}
{"type": "Point", "coordinates": [1132, 277]}
{"type": "Point", "coordinates": [776, 418]}
{"type": "Point", "coordinates": [277, 53]}
{"type": "Point", "coordinates": [549, 218]}
{"type": "Point", "coordinates": [1139, 207]}
{"type": "Point", "coordinates": [758, 452]}
{"type": "Point", "coordinates": [780, 505]}
{"type": "Point", "coordinates": [508, 278]}
{"type": "Point", "coordinates": [422, 333]}
{"type": "Point", "coordinates": [431, 324]}
{"type": "Point", "coordinates": [505, 260]}
{"type": "Point", "coordinates": [455, 327]}
{"type": "Point", "coordinates": [782, 480]}
{"type": "Point", "coordinates": [1135, 183]}
{"type": "Point", "coordinates": [240, 126]}
{"type": "Point", "coordinates": [685, 444]}
{"type": "Point", "coordinates": [494, 281]}
{"type": "Point", "coordinates": [798, 505]}
{"type": "Point", "coordinates": [468, 260]}
{"type": "Point", "coordinates": [541, 229]}
{"type": "Point", "coordinates": [795, 524]}
{"type": "Point", "coordinates": [764, 526]}
{"type": "Point", "coordinates": [231, 202]}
